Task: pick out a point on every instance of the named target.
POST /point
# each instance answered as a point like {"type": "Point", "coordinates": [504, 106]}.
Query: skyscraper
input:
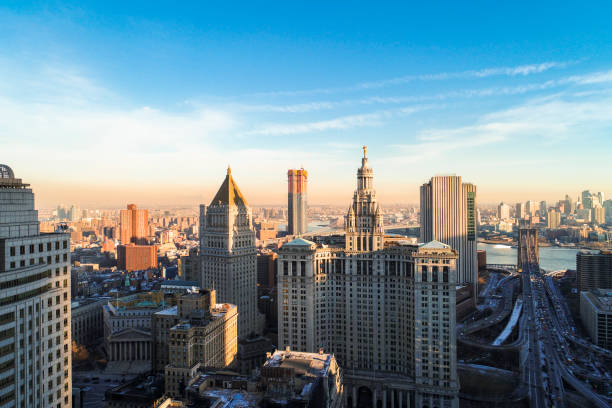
{"type": "Point", "coordinates": [448, 215]}
{"type": "Point", "coordinates": [368, 302]}
{"type": "Point", "coordinates": [228, 254]}
{"type": "Point", "coordinates": [520, 212]}
{"type": "Point", "coordinates": [554, 218]}
{"type": "Point", "coordinates": [297, 205]}
{"type": "Point", "coordinates": [543, 209]}
{"type": "Point", "coordinates": [532, 208]}
{"type": "Point", "coordinates": [134, 225]}
{"type": "Point", "coordinates": [503, 211]}
{"type": "Point", "coordinates": [587, 199]}
{"type": "Point", "coordinates": [35, 309]}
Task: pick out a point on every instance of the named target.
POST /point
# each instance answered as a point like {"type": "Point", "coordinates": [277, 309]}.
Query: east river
{"type": "Point", "coordinates": [551, 258]}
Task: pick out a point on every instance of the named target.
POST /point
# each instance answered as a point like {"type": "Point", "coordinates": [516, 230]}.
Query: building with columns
{"type": "Point", "coordinates": [130, 345]}
{"type": "Point", "coordinates": [384, 307]}
{"type": "Point", "coordinates": [228, 256]}
{"type": "Point", "coordinates": [35, 336]}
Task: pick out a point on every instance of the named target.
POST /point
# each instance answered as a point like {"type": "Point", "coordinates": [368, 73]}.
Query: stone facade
{"type": "Point", "coordinates": [87, 320]}
{"type": "Point", "coordinates": [385, 308]}
{"type": "Point", "coordinates": [228, 256]}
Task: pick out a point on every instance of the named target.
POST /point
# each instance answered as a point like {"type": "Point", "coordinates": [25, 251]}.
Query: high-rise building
{"type": "Point", "coordinates": [594, 270]}
{"type": "Point", "coordinates": [448, 215]}
{"type": "Point", "coordinates": [596, 316]}
{"type": "Point", "coordinates": [503, 211]}
{"type": "Point", "coordinates": [607, 205]}
{"type": "Point", "coordinates": [601, 197]}
{"type": "Point", "coordinates": [531, 207]}
{"type": "Point", "coordinates": [134, 225]}
{"type": "Point", "coordinates": [520, 211]}
{"type": "Point", "coordinates": [598, 214]}
{"type": "Point", "coordinates": [554, 218]}
{"type": "Point", "coordinates": [297, 205]}
{"type": "Point", "coordinates": [385, 309]}
{"type": "Point", "coordinates": [35, 309]}
{"type": "Point", "coordinates": [587, 199]}
{"type": "Point", "coordinates": [228, 256]}
{"type": "Point", "coordinates": [543, 209]}
{"type": "Point", "coordinates": [570, 206]}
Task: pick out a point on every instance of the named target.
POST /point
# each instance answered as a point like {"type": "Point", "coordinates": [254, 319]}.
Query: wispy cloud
{"type": "Point", "coordinates": [519, 70]}
{"type": "Point", "coordinates": [339, 123]}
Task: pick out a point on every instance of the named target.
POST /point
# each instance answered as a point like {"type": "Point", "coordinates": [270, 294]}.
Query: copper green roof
{"type": "Point", "coordinates": [229, 193]}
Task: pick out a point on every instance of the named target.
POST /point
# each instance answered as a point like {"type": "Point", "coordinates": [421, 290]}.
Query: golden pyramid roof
{"type": "Point", "coordinates": [229, 193]}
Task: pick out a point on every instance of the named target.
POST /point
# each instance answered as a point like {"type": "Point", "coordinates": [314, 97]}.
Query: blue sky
{"type": "Point", "coordinates": [107, 102]}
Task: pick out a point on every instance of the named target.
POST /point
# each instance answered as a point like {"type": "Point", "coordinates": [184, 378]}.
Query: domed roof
{"type": "Point", "coordinates": [6, 172]}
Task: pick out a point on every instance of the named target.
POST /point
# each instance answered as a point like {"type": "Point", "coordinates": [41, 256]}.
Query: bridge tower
{"type": "Point", "coordinates": [528, 250]}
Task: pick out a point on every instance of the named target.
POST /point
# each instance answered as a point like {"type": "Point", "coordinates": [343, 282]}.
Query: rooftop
{"type": "Point", "coordinates": [229, 193]}
{"type": "Point", "coordinates": [308, 364]}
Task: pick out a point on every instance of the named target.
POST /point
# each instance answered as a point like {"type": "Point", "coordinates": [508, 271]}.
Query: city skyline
{"type": "Point", "coordinates": [106, 104]}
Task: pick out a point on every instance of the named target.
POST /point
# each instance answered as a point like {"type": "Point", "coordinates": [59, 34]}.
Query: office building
{"type": "Point", "coordinates": [520, 211]}
{"type": "Point", "coordinates": [531, 208]}
{"type": "Point", "coordinates": [228, 256]}
{"type": "Point", "coordinates": [607, 205]}
{"type": "Point", "coordinates": [554, 218]}
{"type": "Point", "coordinates": [133, 257]}
{"type": "Point", "coordinates": [190, 266]}
{"type": "Point", "coordinates": [386, 309]}
{"type": "Point", "coordinates": [503, 211]}
{"type": "Point", "coordinates": [593, 270]}
{"type": "Point", "coordinates": [587, 199]}
{"type": "Point", "coordinates": [297, 221]}
{"type": "Point", "coordinates": [266, 230]}
{"type": "Point", "coordinates": [448, 212]}
{"type": "Point", "coordinates": [598, 215]}
{"type": "Point", "coordinates": [543, 209]}
{"type": "Point", "coordinates": [202, 333]}
{"type": "Point", "coordinates": [596, 316]}
{"type": "Point", "coordinates": [87, 320]}
{"type": "Point", "coordinates": [133, 225]}
{"type": "Point", "coordinates": [35, 303]}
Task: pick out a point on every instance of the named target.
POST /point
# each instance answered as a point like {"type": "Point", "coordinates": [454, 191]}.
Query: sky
{"type": "Point", "coordinates": [104, 103]}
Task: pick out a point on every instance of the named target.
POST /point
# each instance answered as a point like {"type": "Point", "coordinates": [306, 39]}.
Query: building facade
{"type": "Point", "coordinates": [87, 320]}
{"type": "Point", "coordinates": [593, 270]}
{"type": "Point", "coordinates": [204, 335]}
{"type": "Point", "coordinates": [228, 256]}
{"type": "Point", "coordinates": [297, 220]}
{"type": "Point", "coordinates": [448, 215]}
{"type": "Point", "coordinates": [35, 338]}
{"type": "Point", "coordinates": [386, 310]}
{"type": "Point", "coordinates": [133, 257]}
{"type": "Point", "coordinates": [133, 225]}
{"type": "Point", "coordinates": [596, 316]}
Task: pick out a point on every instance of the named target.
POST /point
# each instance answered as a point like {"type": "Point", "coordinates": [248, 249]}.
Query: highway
{"type": "Point", "coordinates": [549, 361]}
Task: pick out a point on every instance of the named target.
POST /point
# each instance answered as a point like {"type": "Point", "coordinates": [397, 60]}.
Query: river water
{"type": "Point", "coordinates": [551, 258]}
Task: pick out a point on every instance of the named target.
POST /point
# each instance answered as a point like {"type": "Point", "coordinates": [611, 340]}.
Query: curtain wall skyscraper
{"type": "Point", "coordinates": [297, 202]}
{"type": "Point", "coordinates": [448, 214]}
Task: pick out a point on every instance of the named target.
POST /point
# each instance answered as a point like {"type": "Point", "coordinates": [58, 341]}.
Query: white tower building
{"type": "Point", "coordinates": [228, 255]}
{"type": "Point", "coordinates": [35, 338]}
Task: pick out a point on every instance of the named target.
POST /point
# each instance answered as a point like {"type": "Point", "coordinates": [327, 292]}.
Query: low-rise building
{"type": "Point", "coordinates": [596, 315]}
{"type": "Point", "coordinates": [87, 320]}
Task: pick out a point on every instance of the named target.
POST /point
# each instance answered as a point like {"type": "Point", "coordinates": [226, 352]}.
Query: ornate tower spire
{"type": "Point", "coordinates": [364, 223]}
